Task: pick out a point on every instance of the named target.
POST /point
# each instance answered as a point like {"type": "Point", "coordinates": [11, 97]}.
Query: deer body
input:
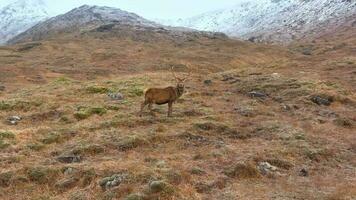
{"type": "Point", "coordinates": [161, 96]}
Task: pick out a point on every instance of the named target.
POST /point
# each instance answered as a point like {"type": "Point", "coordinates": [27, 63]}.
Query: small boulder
{"type": "Point", "coordinates": [115, 96]}
{"type": "Point", "coordinates": [69, 171]}
{"type": "Point", "coordinates": [322, 100]}
{"type": "Point", "coordinates": [2, 88]}
{"type": "Point", "coordinates": [256, 94]}
{"type": "Point", "coordinates": [113, 181]}
{"type": "Point", "coordinates": [208, 82]}
{"type": "Point", "coordinates": [303, 172]}
{"type": "Point", "coordinates": [14, 120]}
{"type": "Point", "coordinates": [69, 158]}
{"type": "Point", "coordinates": [266, 168]}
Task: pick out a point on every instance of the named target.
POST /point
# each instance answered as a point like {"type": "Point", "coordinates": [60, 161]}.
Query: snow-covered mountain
{"type": "Point", "coordinates": [275, 20]}
{"type": "Point", "coordinates": [83, 18]}
{"type": "Point", "coordinates": [102, 21]}
{"type": "Point", "coordinates": [20, 15]}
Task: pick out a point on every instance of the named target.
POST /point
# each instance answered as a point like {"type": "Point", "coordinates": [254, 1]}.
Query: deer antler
{"type": "Point", "coordinates": [189, 73]}
{"type": "Point", "coordinates": [174, 74]}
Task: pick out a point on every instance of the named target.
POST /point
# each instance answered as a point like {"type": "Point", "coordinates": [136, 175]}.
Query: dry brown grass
{"type": "Point", "coordinates": [211, 146]}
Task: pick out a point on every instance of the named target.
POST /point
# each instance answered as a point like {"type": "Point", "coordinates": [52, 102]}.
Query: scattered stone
{"type": "Point", "coordinates": [256, 94]}
{"type": "Point", "coordinates": [113, 181]}
{"type": "Point", "coordinates": [66, 184]}
{"type": "Point", "coordinates": [115, 96]}
{"type": "Point", "coordinates": [322, 100]}
{"type": "Point", "coordinates": [14, 120]}
{"type": "Point", "coordinates": [245, 111]}
{"type": "Point", "coordinates": [327, 113]}
{"type": "Point", "coordinates": [286, 107]}
{"type": "Point", "coordinates": [227, 77]}
{"type": "Point", "coordinates": [69, 158]}
{"type": "Point", "coordinates": [266, 168]}
{"type": "Point", "coordinates": [276, 75]}
{"type": "Point", "coordinates": [105, 28]}
{"type": "Point", "coordinates": [69, 171]}
{"type": "Point", "coordinates": [208, 82]}
{"type": "Point", "coordinates": [161, 164]}
{"type": "Point", "coordinates": [303, 172]}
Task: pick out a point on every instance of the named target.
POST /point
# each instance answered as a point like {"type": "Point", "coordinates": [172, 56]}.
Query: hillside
{"type": "Point", "coordinates": [275, 20]}
{"type": "Point", "coordinates": [257, 121]}
{"type": "Point", "coordinates": [19, 16]}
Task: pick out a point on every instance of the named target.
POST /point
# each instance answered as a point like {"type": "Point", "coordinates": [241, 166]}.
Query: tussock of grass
{"type": "Point", "coordinates": [242, 171]}
{"type": "Point", "coordinates": [6, 139]}
{"type": "Point", "coordinates": [86, 112]}
{"type": "Point", "coordinates": [19, 105]}
{"type": "Point", "coordinates": [97, 89]}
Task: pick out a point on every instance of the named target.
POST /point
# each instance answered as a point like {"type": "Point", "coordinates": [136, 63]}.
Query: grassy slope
{"type": "Point", "coordinates": [212, 145]}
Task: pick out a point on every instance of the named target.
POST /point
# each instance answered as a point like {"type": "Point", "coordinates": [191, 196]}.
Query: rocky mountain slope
{"type": "Point", "coordinates": [82, 18]}
{"type": "Point", "coordinates": [275, 20]}
{"type": "Point", "coordinates": [20, 16]}
{"type": "Point", "coordinates": [86, 19]}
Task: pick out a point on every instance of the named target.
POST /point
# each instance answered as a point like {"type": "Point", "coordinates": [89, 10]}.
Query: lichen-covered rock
{"type": "Point", "coordinates": [69, 158]}
{"type": "Point", "coordinates": [113, 181]}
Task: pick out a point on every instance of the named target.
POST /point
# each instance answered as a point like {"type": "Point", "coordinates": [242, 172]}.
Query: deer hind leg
{"type": "Point", "coordinates": [170, 108]}
{"type": "Point", "coordinates": [143, 105]}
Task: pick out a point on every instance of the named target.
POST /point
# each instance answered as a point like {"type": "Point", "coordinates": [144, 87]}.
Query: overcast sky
{"type": "Point", "coordinates": [165, 9]}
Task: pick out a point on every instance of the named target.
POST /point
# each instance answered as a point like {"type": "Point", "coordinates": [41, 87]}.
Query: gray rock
{"type": "Point", "coordinates": [266, 168]}
{"type": "Point", "coordinates": [113, 181]}
{"type": "Point", "coordinates": [14, 120]}
{"type": "Point", "coordinates": [303, 172]}
{"type": "Point", "coordinates": [320, 100]}
{"type": "Point", "coordinates": [69, 158]}
{"type": "Point", "coordinates": [69, 171]}
{"type": "Point", "coordinates": [208, 82]}
{"type": "Point", "coordinates": [116, 96]}
{"type": "Point", "coordinates": [256, 94]}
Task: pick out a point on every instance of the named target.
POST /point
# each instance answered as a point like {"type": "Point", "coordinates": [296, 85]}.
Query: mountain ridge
{"type": "Point", "coordinates": [19, 16]}
{"type": "Point", "coordinates": [271, 20]}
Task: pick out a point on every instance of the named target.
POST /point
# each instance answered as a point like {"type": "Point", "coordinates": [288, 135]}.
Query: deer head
{"type": "Point", "coordinates": [180, 81]}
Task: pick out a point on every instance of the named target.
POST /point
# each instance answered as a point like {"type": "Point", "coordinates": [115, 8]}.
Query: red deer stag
{"type": "Point", "coordinates": [167, 95]}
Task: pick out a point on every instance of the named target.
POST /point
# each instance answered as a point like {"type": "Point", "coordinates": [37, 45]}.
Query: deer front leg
{"type": "Point", "coordinates": [142, 107]}
{"type": "Point", "coordinates": [150, 109]}
{"type": "Point", "coordinates": [170, 108]}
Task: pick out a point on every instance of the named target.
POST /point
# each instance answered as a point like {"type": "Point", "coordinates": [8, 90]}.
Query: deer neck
{"type": "Point", "coordinates": [179, 92]}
